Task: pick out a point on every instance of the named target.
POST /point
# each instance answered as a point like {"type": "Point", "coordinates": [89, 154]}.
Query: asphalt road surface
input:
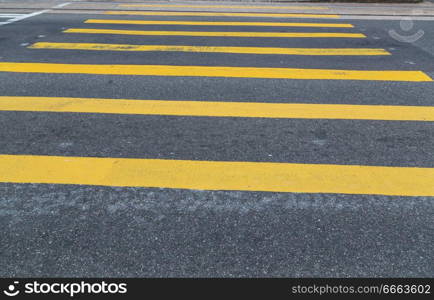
{"type": "Point", "coordinates": [168, 145]}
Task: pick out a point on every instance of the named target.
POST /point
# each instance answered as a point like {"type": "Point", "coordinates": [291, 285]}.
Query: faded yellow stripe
{"type": "Point", "coordinates": [216, 33]}
{"type": "Point", "coordinates": [200, 23]}
{"type": "Point", "coordinates": [242, 50]}
{"type": "Point", "coordinates": [200, 71]}
{"type": "Point", "coordinates": [218, 109]}
{"type": "Point", "coordinates": [212, 175]}
{"type": "Point", "coordinates": [220, 14]}
{"type": "Point", "coordinates": [226, 6]}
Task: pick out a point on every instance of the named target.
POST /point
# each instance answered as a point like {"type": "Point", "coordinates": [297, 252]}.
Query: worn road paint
{"type": "Point", "coordinates": [218, 109]}
{"type": "Point", "coordinates": [227, 6]}
{"type": "Point", "coordinates": [204, 71]}
{"type": "Point", "coordinates": [220, 14]}
{"type": "Point", "coordinates": [218, 175]}
{"type": "Point", "coordinates": [208, 49]}
{"type": "Point", "coordinates": [217, 23]}
{"type": "Point", "coordinates": [215, 33]}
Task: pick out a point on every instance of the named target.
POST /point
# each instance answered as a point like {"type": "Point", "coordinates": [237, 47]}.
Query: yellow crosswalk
{"type": "Point", "coordinates": [221, 14]}
{"type": "Point", "coordinates": [227, 6]}
{"type": "Point", "coordinates": [219, 34]}
{"type": "Point", "coordinates": [241, 50]}
{"type": "Point", "coordinates": [218, 175]}
{"type": "Point", "coordinates": [219, 109]}
{"type": "Point", "coordinates": [202, 71]}
{"type": "Point", "coordinates": [218, 23]}
{"type": "Point", "coordinates": [212, 175]}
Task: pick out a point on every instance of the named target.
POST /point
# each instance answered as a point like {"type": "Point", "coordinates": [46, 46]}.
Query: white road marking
{"type": "Point", "coordinates": [19, 17]}
{"type": "Point", "coordinates": [11, 15]}
{"type": "Point", "coordinates": [386, 18]}
{"type": "Point", "coordinates": [62, 5]}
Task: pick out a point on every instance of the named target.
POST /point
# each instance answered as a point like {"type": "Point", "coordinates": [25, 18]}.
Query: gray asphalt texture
{"type": "Point", "coordinates": [67, 230]}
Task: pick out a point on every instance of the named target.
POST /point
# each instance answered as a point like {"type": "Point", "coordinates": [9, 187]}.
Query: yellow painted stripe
{"type": "Point", "coordinates": [220, 14]}
{"type": "Point", "coordinates": [200, 23]}
{"type": "Point", "coordinates": [215, 33]}
{"type": "Point", "coordinates": [218, 109]}
{"type": "Point", "coordinates": [212, 175]}
{"type": "Point", "coordinates": [227, 6]}
{"type": "Point", "coordinates": [202, 71]}
{"type": "Point", "coordinates": [243, 50]}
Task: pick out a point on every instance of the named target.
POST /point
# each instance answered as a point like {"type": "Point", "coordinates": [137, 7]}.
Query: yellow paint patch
{"type": "Point", "coordinates": [201, 71]}
{"type": "Point", "coordinates": [215, 33]}
{"type": "Point", "coordinates": [212, 175]}
{"type": "Point", "coordinates": [218, 109]}
{"type": "Point", "coordinates": [227, 6]}
{"type": "Point", "coordinates": [242, 50]}
{"type": "Point", "coordinates": [220, 14]}
{"type": "Point", "coordinates": [200, 23]}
